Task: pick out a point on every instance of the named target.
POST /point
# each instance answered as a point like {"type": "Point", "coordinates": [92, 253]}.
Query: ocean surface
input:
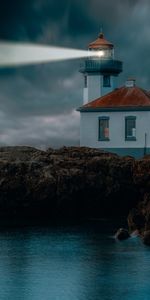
{"type": "Point", "coordinates": [81, 262]}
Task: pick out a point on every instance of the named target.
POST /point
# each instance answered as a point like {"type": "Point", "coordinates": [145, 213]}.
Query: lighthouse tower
{"type": "Point", "coordinates": [101, 70]}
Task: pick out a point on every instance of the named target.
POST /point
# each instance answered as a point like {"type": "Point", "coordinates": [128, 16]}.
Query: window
{"type": "Point", "coordinates": [130, 128]}
{"type": "Point", "coordinates": [85, 81]}
{"type": "Point", "coordinates": [106, 81]}
{"type": "Point", "coordinates": [104, 129]}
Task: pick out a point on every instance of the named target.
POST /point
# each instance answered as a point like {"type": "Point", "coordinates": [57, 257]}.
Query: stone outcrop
{"type": "Point", "coordinates": [139, 217]}
{"type": "Point", "coordinates": [122, 234]}
{"type": "Point", "coordinates": [69, 182]}
{"type": "Point", "coordinates": [74, 182]}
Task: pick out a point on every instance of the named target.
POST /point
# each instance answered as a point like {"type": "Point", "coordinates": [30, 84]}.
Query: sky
{"type": "Point", "coordinates": [38, 103]}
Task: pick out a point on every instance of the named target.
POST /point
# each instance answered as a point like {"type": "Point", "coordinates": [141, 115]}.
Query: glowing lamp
{"type": "Point", "coordinates": [100, 53]}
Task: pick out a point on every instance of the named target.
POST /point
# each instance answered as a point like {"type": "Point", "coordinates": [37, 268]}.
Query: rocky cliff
{"type": "Point", "coordinates": [139, 216]}
{"type": "Point", "coordinates": [71, 182]}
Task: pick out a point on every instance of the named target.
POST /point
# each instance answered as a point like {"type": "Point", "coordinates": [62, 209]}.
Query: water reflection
{"type": "Point", "coordinates": [82, 263]}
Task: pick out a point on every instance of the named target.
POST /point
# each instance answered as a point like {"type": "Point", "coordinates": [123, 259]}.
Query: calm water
{"type": "Point", "coordinates": [72, 263]}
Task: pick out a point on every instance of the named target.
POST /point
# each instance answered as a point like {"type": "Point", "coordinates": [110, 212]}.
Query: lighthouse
{"type": "Point", "coordinates": [100, 71]}
{"type": "Point", "coordinates": [114, 119]}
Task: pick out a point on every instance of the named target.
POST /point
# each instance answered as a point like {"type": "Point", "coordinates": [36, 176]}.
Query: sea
{"type": "Point", "coordinates": [72, 262]}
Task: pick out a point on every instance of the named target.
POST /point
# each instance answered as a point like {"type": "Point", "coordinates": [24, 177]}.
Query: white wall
{"type": "Point", "coordinates": [85, 95]}
{"type": "Point", "coordinates": [89, 129]}
{"type": "Point", "coordinates": [95, 87]}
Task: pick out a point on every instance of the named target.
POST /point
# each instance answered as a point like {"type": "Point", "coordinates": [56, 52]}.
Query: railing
{"type": "Point", "coordinates": [101, 65]}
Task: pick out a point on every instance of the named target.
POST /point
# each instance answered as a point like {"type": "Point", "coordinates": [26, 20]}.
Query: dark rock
{"type": "Point", "coordinates": [76, 182]}
{"type": "Point", "coordinates": [146, 237]}
{"type": "Point", "coordinates": [139, 218]}
{"type": "Point", "coordinates": [122, 234]}
{"type": "Point", "coordinates": [136, 220]}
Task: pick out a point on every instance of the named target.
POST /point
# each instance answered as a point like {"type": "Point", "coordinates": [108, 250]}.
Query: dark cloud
{"type": "Point", "coordinates": [37, 103]}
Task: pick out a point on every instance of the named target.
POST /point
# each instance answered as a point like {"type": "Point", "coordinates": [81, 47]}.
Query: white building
{"type": "Point", "coordinates": [114, 119]}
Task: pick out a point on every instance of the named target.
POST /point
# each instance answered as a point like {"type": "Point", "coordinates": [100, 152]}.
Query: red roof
{"type": "Point", "coordinates": [124, 97]}
{"type": "Point", "coordinates": [100, 42]}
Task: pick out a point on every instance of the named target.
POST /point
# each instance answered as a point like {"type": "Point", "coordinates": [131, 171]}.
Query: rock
{"type": "Point", "coordinates": [74, 182]}
{"type": "Point", "coordinates": [136, 220]}
{"type": "Point", "coordinates": [135, 233]}
{"type": "Point", "coordinates": [122, 234]}
{"type": "Point", "coordinates": [146, 237]}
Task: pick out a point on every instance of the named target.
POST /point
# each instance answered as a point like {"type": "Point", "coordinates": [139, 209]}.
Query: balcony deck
{"type": "Point", "coordinates": [104, 66]}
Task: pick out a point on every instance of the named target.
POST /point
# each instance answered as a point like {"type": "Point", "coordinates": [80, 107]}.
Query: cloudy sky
{"type": "Point", "coordinates": [37, 103]}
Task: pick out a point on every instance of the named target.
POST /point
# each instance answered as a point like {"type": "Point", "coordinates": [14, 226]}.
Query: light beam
{"type": "Point", "coordinates": [16, 54]}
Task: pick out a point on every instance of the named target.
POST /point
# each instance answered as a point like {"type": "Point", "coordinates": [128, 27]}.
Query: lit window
{"type": "Point", "coordinates": [104, 129]}
{"type": "Point", "coordinates": [106, 81]}
{"type": "Point", "coordinates": [130, 128]}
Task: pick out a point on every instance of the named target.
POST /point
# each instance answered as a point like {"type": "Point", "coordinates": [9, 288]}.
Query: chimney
{"type": "Point", "coordinates": [130, 82]}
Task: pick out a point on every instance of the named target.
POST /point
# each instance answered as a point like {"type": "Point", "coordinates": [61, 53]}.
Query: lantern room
{"type": "Point", "coordinates": [103, 48]}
